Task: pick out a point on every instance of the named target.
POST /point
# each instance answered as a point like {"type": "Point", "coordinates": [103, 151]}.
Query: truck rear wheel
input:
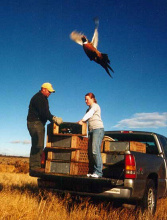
{"type": "Point", "coordinates": [149, 201]}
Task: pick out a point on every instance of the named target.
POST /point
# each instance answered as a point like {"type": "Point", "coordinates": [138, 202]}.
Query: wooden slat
{"type": "Point", "coordinates": [137, 146]}
{"type": "Point", "coordinates": [79, 168]}
{"type": "Point", "coordinates": [49, 135]}
{"type": "Point", "coordinates": [79, 156]}
{"type": "Point", "coordinates": [55, 129]}
{"type": "Point", "coordinates": [84, 129]}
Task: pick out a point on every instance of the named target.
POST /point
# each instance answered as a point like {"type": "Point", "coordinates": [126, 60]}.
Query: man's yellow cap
{"type": "Point", "coordinates": [48, 86]}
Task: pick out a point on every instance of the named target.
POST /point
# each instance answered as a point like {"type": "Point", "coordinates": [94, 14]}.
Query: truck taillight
{"type": "Point", "coordinates": [43, 160]}
{"type": "Point", "coordinates": [130, 166]}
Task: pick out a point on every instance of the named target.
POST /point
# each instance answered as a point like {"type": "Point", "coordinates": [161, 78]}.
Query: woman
{"type": "Point", "coordinates": [96, 133]}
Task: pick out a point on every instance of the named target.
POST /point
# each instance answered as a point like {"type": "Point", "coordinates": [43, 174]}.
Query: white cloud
{"type": "Point", "coordinates": [20, 142]}
{"type": "Point", "coordinates": [144, 120]}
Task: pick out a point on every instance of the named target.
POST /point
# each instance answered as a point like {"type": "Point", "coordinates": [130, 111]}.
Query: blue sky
{"type": "Point", "coordinates": [36, 48]}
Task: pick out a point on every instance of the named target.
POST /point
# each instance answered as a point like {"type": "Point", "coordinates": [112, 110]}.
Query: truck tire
{"type": "Point", "coordinates": [149, 201]}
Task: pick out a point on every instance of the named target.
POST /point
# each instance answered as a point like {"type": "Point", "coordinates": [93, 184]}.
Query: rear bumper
{"type": "Point", "coordinates": [119, 193]}
{"type": "Point", "coordinates": [113, 193]}
{"type": "Point", "coordinates": [83, 185]}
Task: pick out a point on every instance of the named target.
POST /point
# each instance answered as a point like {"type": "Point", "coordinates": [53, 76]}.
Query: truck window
{"type": "Point", "coordinates": [163, 142]}
{"type": "Point", "coordinates": [151, 147]}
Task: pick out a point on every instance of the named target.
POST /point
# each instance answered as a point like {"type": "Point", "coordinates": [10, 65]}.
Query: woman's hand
{"type": "Point", "coordinates": [80, 122]}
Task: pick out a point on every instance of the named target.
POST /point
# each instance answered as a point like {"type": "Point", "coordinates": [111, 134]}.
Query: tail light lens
{"type": "Point", "coordinates": [130, 166]}
{"type": "Point", "coordinates": [43, 159]}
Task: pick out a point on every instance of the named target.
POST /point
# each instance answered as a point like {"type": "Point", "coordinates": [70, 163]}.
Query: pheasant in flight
{"type": "Point", "coordinates": [90, 48]}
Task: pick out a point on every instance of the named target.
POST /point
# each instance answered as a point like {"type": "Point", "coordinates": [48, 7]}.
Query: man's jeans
{"type": "Point", "coordinates": [37, 133]}
{"type": "Point", "coordinates": [94, 151]}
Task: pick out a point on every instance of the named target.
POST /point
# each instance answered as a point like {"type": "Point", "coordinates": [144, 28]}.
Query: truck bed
{"type": "Point", "coordinates": [134, 167]}
{"type": "Point", "coordinates": [84, 185]}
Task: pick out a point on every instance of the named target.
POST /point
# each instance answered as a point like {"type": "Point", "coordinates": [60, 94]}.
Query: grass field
{"type": "Point", "coordinates": [21, 199]}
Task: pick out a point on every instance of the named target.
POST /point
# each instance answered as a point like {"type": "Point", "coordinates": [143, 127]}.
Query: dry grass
{"type": "Point", "coordinates": [14, 164]}
{"type": "Point", "coordinates": [20, 198]}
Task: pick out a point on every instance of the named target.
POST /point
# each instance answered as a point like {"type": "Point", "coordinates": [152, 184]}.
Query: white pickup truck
{"type": "Point", "coordinates": [131, 175]}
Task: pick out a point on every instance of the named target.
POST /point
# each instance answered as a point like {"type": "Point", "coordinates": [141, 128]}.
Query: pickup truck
{"type": "Point", "coordinates": [131, 174]}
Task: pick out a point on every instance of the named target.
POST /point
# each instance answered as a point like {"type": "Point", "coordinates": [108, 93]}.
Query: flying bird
{"type": "Point", "coordinates": [90, 48]}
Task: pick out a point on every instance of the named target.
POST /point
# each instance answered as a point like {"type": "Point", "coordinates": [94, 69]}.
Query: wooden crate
{"type": "Point", "coordinates": [137, 146]}
{"type": "Point", "coordinates": [60, 154]}
{"type": "Point", "coordinates": [68, 155]}
{"type": "Point", "coordinates": [111, 159]}
{"type": "Point", "coordinates": [114, 146]}
{"type": "Point", "coordinates": [65, 167]}
{"type": "Point", "coordinates": [67, 142]}
{"type": "Point", "coordinates": [80, 156]}
{"type": "Point", "coordinates": [67, 128]}
{"type": "Point", "coordinates": [108, 138]}
{"type": "Point", "coordinates": [79, 168]}
{"type": "Point", "coordinates": [119, 146]}
{"type": "Point", "coordinates": [57, 167]}
{"type": "Point", "coordinates": [105, 139]}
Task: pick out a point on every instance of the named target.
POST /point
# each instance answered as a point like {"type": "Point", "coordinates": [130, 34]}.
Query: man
{"type": "Point", "coordinates": [38, 114]}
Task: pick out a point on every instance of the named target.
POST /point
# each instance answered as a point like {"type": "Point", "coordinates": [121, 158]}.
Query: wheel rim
{"type": "Point", "coordinates": [151, 200]}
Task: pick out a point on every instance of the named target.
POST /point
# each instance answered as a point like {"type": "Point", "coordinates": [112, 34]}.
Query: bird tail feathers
{"type": "Point", "coordinates": [107, 61]}
{"type": "Point", "coordinates": [108, 71]}
{"type": "Point", "coordinates": [105, 57]}
{"type": "Point", "coordinates": [110, 68]}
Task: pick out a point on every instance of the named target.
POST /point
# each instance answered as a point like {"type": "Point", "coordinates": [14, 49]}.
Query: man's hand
{"type": "Point", "coordinates": [57, 120]}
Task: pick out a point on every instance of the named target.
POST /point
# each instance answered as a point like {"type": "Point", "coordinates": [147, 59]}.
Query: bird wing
{"type": "Point", "coordinates": [75, 36]}
{"type": "Point", "coordinates": [95, 36]}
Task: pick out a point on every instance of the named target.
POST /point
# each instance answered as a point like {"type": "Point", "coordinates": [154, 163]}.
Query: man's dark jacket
{"type": "Point", "coordinates": [39, 109]}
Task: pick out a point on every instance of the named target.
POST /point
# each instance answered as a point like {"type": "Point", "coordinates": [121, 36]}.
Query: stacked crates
{"type": "Point", "coordinates": [112, 148]}
{"type": "Point", "coordinates": [67, 149]}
